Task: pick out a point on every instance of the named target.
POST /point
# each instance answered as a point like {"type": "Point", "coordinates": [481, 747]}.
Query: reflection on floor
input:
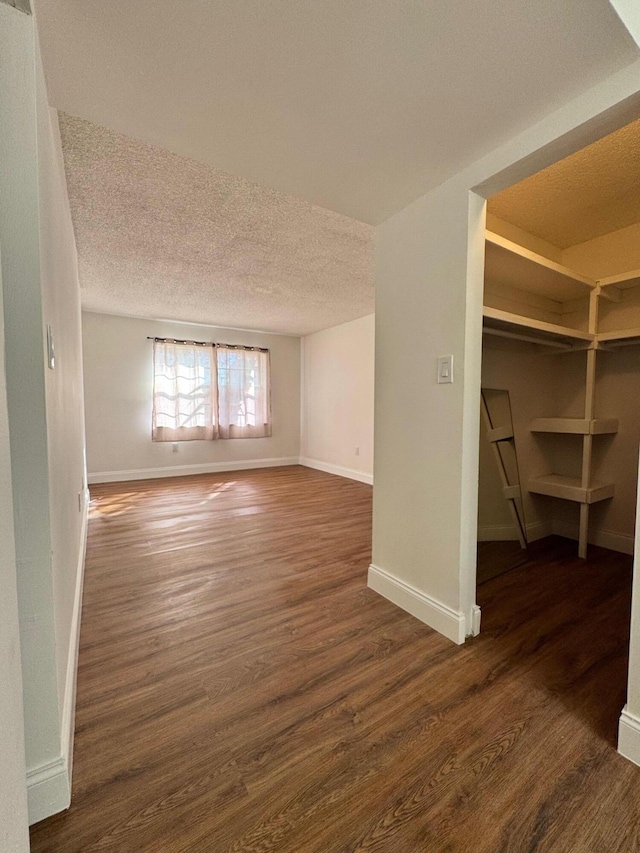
{"type": "Point", "coordinates": [496, 558]}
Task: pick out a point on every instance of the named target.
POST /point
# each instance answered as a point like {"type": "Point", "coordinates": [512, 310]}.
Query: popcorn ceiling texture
{"type": "Point", "coordinates": [590, 193]}
{"type": "Point", "coordinates": [162, 236]}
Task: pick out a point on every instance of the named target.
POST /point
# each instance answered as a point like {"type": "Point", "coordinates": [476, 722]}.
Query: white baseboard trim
{"type": "Point", "coordinates": [508, 532]}
{"type": "Point", "coordinates": [538, 530]}
{"type": "Point", "coordinates": [476, 617]}
{"type": "Point", "coordinates": [48, 790]}
{"type": "Point", "coordinates": [497, 533]}
{"type": "Point", "coordinates": [629, 736]}
{"type": "Point", "coordinates": [69, 702]}
{"type": "Point", "coordinates": [338, 470]}
{"type": "Point", "coordinates": [621, 542]}
{"type": "Point", "coordinates": [49, 786]}
{"type": "Point", "coordinates": [186, 470]}
{"type": "Point", "coordinates": [443, 619]}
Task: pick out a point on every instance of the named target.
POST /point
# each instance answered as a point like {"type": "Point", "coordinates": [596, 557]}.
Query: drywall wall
{"type": "Point", "coordinates": [337, 399]}
{"type": "Point", "coordinates": [45, 412]}
{"type": "Point", "coordinates": [429, 282]}
{"type": "Point", "coordinates": [14, 836]}
{"type": "Point", "coordinates": [421, 254]}
{"type": "Point", "coordinates": [19, 233]}
{"type": "Point", "coordinates": [118, 374]}
{"type": "Point", "coordinates": [64, 400]}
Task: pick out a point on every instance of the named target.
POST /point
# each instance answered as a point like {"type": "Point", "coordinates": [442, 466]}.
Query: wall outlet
{"type": "Point", "coordinates": [356, 450]}
{"type": "Point", "coordinates": [174, 446]}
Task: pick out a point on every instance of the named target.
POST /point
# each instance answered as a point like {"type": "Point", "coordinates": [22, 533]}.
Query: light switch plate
{"type": "Point", "coordinates": [445, 369]}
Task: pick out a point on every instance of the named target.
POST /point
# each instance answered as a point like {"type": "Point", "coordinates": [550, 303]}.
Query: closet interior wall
{"type": "Point", "coordinates": [547, 382]}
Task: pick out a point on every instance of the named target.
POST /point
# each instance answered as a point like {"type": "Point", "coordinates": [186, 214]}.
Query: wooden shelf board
{"type": "Point", "coordinates": [622, 281]}
{"type": "Point", "coordinates": [570, 489]}
{"type": "Point", "coordinates": [505, 321]}
{"type": "Point", "coordinates": [575, 426]}
{"type": "Point", "coordinates": [507, 263]}
{"type": "Point", "coordinates": [626, 335]}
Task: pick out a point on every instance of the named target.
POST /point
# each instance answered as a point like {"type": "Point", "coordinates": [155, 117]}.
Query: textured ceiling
{"type": "Point", "coordinates": [357, 106]}
{"type": "Point", "coordinates": [591, 193]}
{"type": "Point", "coordinates": [163, 236]}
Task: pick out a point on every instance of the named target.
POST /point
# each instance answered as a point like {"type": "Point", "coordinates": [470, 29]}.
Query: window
{"type": "Point", "coordinates": [209, 391]}
{"type": "Point", "coordinates": [243, 393]}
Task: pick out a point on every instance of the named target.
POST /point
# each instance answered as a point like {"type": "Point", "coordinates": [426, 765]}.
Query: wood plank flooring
{"type": "Point", "coordinates": [240, 690]}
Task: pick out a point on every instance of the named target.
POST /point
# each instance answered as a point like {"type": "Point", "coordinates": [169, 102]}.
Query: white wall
{"type": "Point", "coordinates": [429, 292]}
{"type": "Point", "coordinates": [14, 836]}
{"type": "Point", "coordinates": [45, 414]}
{"type": "Point", "coordinates": [337, 399]}
{"type": "Point", "coordinates": [63, 397]}
{"type": "Point", "coordinates": [118, 392]}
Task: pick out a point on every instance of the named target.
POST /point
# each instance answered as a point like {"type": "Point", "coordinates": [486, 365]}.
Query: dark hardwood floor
{"type": "Point", "coordinates": [240, 688]}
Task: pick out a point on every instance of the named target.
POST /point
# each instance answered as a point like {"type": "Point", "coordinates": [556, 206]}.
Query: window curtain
{"type": "Point", "coordinates": [244, 398]}
{"type": "Point", "coordinates": [184, 392]}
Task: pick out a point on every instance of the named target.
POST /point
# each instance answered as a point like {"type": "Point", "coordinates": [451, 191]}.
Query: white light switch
{"type": "Point", "coordinates": [445, 369]}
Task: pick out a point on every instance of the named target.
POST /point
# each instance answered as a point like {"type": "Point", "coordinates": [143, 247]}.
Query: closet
{"type": "Point", "coordinates": [566, 345]}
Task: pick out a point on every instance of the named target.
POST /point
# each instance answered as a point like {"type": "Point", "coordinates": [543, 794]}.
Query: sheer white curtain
{"type": "Point", "coordinates": [184, 392]}
{"type": "Point", "coordinates": [244, 395]}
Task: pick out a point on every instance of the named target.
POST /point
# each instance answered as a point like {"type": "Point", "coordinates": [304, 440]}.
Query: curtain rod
{"type": "Point", "coordinates": [205, 344]}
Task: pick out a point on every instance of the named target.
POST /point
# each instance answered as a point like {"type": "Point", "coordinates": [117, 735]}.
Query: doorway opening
{"type": "Point", "coordinates": [561, 349]}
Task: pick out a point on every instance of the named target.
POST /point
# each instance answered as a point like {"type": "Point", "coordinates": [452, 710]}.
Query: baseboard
{"type": "Point", "coordinates": [186, 470]}
{"type": "Point", "coordinates": [604, 538]}
{"type": "Point", "coordinates": [338, 470]}
{"type": "Point", "coordinates": [69, 701]}
{"type": "Point", "coordinates": [49, 786]}
{"type": "Point", "coordinates": [508, 532]}
{"type": "Point", "coordinates": [538, 530]}
{"type": "Point", "coordinates": [629, 736]}
{"type": "Point", "coordinates": [497, 533]}
{"type": "Point", "coordinates": [443, 619]}
{"type": "Point", "coordinates": [476, 618]}
{"type": "Point", "coordinates": [48, 790]}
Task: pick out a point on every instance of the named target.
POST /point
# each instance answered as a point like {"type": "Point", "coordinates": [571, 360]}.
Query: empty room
{"type": "Point", "coordinates": [319, 443]}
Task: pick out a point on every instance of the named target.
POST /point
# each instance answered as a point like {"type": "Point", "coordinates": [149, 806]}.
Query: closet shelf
{"type": "Point", "coordinates": [621, 338]}
{"type": "Point", "coordinates": [536, 331]}
{"type": "Point", "coordinates": [575, 426]}
{"type": "Point", "coordinates": [622, 281]}
{"type": "Point", "coordinates": [507, 263]}
{"type": "Point", "coordinates": [570, 489]}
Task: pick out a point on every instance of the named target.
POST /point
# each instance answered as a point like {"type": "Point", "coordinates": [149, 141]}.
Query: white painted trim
{"type": "Point", "coordinates": [434, 613]}
{"type": "Point", "coordinates": [48, 790]}
{"type": "Point", "coordinates": [629, 736]}
{"type": "Point", "coordinates": [497, 533]}
{"type": "Point", "coordinates": [476, 616]}
{"type": "Point", "coordinates": [538, 530]}
{"type": "Point", "coordinates": [49, 785]}
{"type": "Point", "coordinates": [621, 542]}
{"type": "Point", "coordinates": [338, 470]}
{"type": "Point", "coordinates": [69, 699]}
{"type": "Point", "coordinates": [186, 470]}
{"type": "Point", "coordinates": [508, 532]}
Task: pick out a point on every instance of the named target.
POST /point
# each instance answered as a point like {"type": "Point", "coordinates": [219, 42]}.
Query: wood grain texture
{"type": "Point", "coordinates": [241, 690]}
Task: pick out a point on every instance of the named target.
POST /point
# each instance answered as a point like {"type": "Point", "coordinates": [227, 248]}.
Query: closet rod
{"type": "Point", "coordinates": [528, 338]}
{"type": "Point", "coordinates": [205, 344]}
